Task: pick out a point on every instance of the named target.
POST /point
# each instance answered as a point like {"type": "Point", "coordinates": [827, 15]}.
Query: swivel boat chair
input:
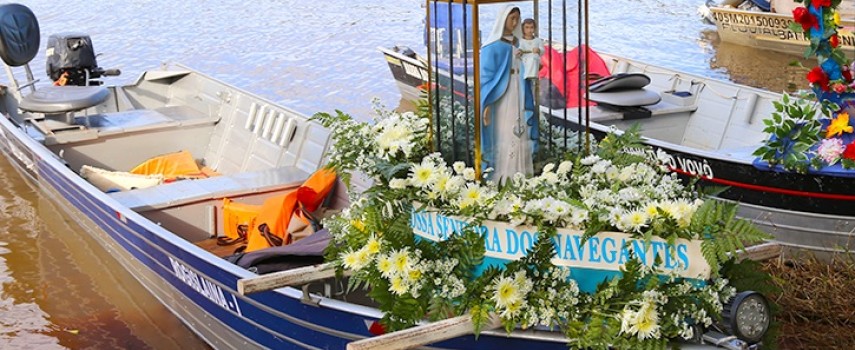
{"type": "Point", "coordinates": [19, 43]}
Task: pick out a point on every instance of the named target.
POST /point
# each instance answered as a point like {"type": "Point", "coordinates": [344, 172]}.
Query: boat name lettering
{"type": "Point", "coordinates": [689, 166]}
{"type": "Point", "coordinates": [781, 34]}
{"type": "Point", "coordinates": [414, 71]}
{"type": "Point", "coordinates": [203, 286]}
{"type": "Point", "coordinates": [605, 251]}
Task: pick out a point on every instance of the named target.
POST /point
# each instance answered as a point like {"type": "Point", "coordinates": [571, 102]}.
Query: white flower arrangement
{"type": "Point", "coordinates": [412, 278]}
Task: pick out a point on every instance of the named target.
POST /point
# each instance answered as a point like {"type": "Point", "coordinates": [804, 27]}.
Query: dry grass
{"type": "Point", "coordinates": [817, 303]}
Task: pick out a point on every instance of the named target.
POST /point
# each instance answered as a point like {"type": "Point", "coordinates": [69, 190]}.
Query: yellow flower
{"type": "Point", "coordinates": [362, 258]}
{"type": "Point", "coordinates": [373, 246]}
{"type": "Point", "coordinates": [837, 18]}
{"type": "Point", "coordinates": [471, 195]}
{"type": "Point", "coordinates": [384, 265]}
{"type": "Point", "coordinates": [350, 259]}
{"type": "Point", "coordinates": [839, 125]}
{"type": "Point", "coordinates": [358, 224]}
{"type": "Point", "coordinates": [422, 174]}
{"type": "Point", "coordinates": [652, 209]}
{"type": "Point", "coordinates": [401, 261]}
{"type": "Point", "coordinates": [507, 293]}
{"type": "Point", "coordinates": [638, 218]}
{"type": "Point", "coordinates": [441, 182]}
{"type": "Point", "coordinates": [512, 310]}
{"type": "Point", "coordinates": [355, 260]}
{"type": "Point", "coordinates": [647, 322]}
{"type": "Point", "coordinates": [398, 286]}
{"type": "Point", "coordinates": [415, 275]}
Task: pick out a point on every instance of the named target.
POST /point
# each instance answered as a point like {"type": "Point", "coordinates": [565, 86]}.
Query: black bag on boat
{"type": "Point", "coordinates": [305, 252]}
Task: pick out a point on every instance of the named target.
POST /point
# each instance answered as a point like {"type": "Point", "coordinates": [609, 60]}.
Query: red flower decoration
{"type": "Point", "coordinates": [839, 88]}
{"type": "Point", "coordinates": [805, 18]}
{"type": "Point", "coordinates": [834, 41]}
{"type": "Point", "coordinates": [847, 73]}
{"type": "Point", "coordinates": [817, 3]}
{"type": "Point", "coordinates": [849, 153]}
{"type": "Point", "coordinates": [817, 76]}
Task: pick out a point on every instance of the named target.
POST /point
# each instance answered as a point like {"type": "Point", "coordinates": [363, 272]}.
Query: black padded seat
{"type": "Point", "coordinates": [19, 43]}
{"type": "Point", "coordinates": [62, 99]}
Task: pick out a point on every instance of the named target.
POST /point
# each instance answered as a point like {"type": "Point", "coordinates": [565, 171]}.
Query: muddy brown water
{"type": "Point", "coordinates": [60, 289]}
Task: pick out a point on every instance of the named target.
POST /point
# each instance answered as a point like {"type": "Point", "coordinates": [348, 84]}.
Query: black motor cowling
{"type": "Point", "coordinates": [71, 60]}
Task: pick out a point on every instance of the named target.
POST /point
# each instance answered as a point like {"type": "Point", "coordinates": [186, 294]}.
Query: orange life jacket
{"type": "Point", "coordinates": [173, 166]}
{"type": "Point", "coordinates": [238, 221]}
{"type": "Point", "coordinates": [274, 216]}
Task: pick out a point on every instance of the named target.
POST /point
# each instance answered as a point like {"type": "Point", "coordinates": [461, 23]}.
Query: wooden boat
{"type": "Point", "coordinates": [769, 30]}
{"type": "Point", "coordinates": [165, 234]}
{"type": "Point", "coordinates": [710, 134]}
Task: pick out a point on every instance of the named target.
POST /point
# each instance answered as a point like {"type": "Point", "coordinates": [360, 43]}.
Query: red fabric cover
{"type": "Point", "coordinates": [569, 88]}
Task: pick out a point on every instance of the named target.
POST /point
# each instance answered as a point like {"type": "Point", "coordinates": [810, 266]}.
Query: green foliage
{"type": "Point", "coordinates": [794, 129]}
{"type": "Point", "coordinates": [614, 147]}
{"type": "Point", "coordinates": [724, 233]}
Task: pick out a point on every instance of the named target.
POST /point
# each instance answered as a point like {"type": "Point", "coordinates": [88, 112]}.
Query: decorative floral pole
{"type": "Point", "coordinates": [820, 21]}
{"type": "Point", "coordinates": [793, 125]}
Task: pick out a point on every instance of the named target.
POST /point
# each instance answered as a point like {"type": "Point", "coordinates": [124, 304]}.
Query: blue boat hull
{"type": "Point", "coordinates": [200, 288]}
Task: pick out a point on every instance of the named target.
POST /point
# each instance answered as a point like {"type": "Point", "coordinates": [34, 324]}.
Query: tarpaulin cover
{"type": "Point", "coordinates": [566, 66]}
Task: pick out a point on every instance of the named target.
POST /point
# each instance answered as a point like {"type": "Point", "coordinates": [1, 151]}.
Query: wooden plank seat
{"type": "Point", "coordinates": [189, 191]}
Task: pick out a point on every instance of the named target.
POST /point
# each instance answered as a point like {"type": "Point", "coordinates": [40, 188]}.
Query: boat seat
{"type": "Point", "coordinates": [63, 99]}
{"type": "Point", "coordinates": [213, 188]}
{"type": "Point", "coordinates": [19, 44]}
{"type": "Point", "coordinates": [624, 90]}
{"type": "Point", "coordinates": [627, 98]}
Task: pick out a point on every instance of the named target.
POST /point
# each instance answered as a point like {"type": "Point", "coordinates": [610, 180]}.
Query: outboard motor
{"type": "Point", "coordinates": [71, 60]}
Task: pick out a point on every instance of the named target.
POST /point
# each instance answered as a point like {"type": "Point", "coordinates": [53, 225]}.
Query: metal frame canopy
{"type": "Point", "coordinates": [476, 65]}
{"type": "Point", "coordinates": [467, 16]}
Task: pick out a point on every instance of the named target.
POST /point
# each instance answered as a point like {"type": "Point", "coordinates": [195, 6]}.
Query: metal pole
{"type": "Point", "coordinates": [466, 77]}
{"type": "Point", "coordinates": [476, 45]}
{"type": "Point", "coordinates": [535, 86]}
{"type": "Point", "coordinates": [579, 84]}
{"type": "Point", "coordinates": [453, 120]}
{"type": "Point", "coordinates": [430, 79]}
{"type": "Point", "coordinates": [434, 70]}
{"type": "Point", "coordinates": [551, 82]}
{"type": "Point", "coordinates": [587, 92]}
{"type": "Point", "coordinates": [564, 71]}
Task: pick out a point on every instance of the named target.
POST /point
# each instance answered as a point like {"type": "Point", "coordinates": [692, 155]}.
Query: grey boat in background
{"type": "Point", "coordinates": [709, 128]}
{"type": "Point", "coordinates": [745, 23]}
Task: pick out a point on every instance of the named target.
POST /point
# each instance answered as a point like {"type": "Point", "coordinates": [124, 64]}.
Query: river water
{"type": "Point", "coordinates": [59, 289]}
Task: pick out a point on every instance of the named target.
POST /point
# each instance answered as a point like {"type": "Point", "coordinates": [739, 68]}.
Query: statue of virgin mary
{"type": "Point", "coordinates": [505, 137]}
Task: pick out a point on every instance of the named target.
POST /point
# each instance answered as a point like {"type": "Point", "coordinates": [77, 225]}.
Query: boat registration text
{"type": "Point", "coordinates": [761, 24]}
{"type": "Point", "coordinates": [205, 287]}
